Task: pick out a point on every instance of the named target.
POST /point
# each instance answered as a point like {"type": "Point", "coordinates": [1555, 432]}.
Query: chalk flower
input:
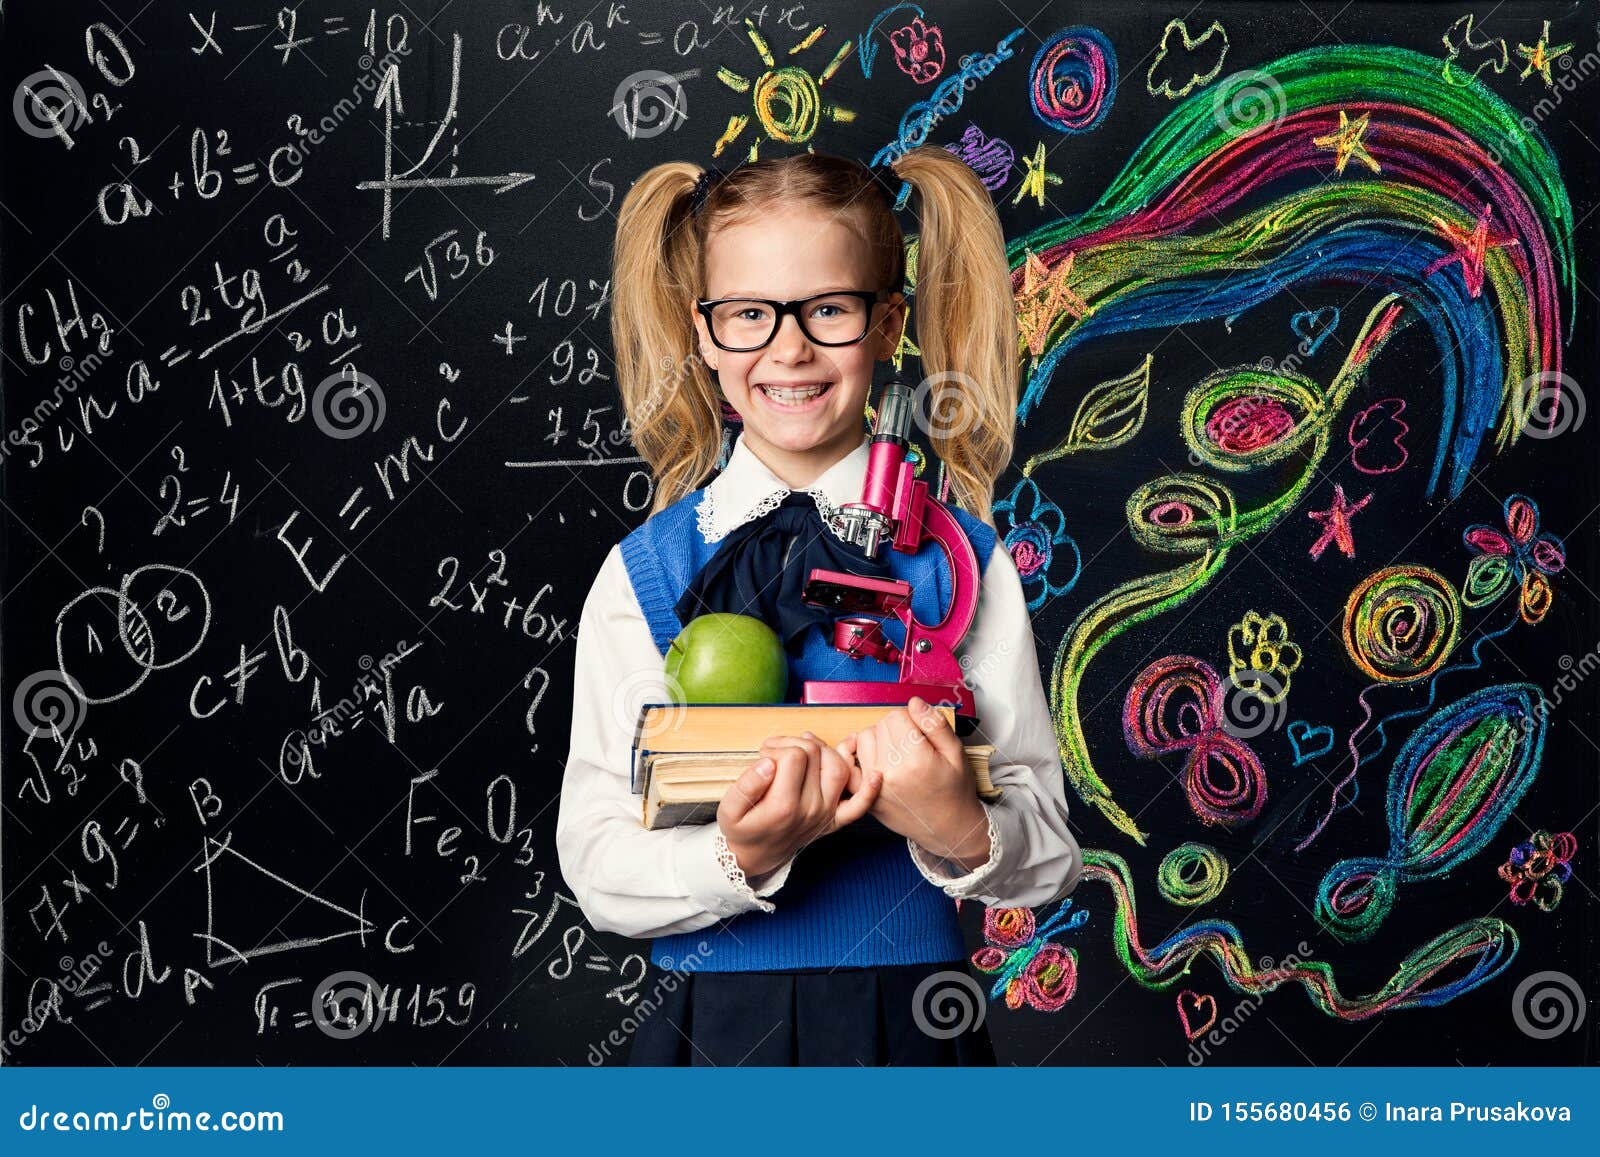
{"type": "Point", "coordinates": [1538, 867]}
{"type": "Point", "coordinates": [918, 51]}
{"type": "Point", "coordinates": [1518, 554]}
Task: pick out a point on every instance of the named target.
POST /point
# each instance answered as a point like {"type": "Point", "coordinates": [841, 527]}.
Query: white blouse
{"type": "Point", "coordinates": [648, 883]}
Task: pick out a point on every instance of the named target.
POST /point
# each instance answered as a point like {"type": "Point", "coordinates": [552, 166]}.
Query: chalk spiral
{"type": "Point", "coordinates": [1192, 874]}
{"type": "Point", "coordinates": [1401, 623]}
{"type": "Point", "coordinates": [1073, 80]}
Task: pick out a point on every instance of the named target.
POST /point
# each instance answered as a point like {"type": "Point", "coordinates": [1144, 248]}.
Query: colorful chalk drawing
{"type": "Point", "coordinates": [919, 51]}
{"type": "Point", "coordinates": [1398, 620]}
{"type": "Point", "coordinates": [1335, 522]}
{"type": "Point", "coordinates": [1147, 254]}
{"type": "Point", "coordinates": [1192, 874]}
{"type": "Point", "coordinates": [1196, 78]}
{"type": "Point", "coordinates": [1538, 867]}
{"type": "Point", "coordinates": [1190, 514]}
{"type": "Point", "coordinates": [1109, 414]}
{"type": "Point", "coordinates": [787, 102]}
{"type": "Point", "coordinates": [1037, 540]}
{"type": "Point", "coordinates": [1460, 35]}
{"type": "Point", "coordinates": [1176, 704]}
{"type": "Point", "coordinates": [1400, 625]}
{"type": "Point", "coordinates": [1367, 170]}
{"type": "Point", "coordinates": [1375, 437]}
{"type": "Point", "coordinates": [920, 119]}
{"type": "Point", "coordinates": [990, 157]}
{"type": "Point", "coordinates": [1073, 80]}
{"type": "Point", "coordinates": [1541, 55]}
{"type": "Point", "coordinates": [1045, 296]}
{"type": "Point", "coordinates": [1455, 962]}
{"type": "Point", "coordinates": [1309, 740]}
{"type": "Point", "coordinates": [1196, 1002]}
{"type": "Point", "coordinates": [1315, 326]}
{"type": "Point", "coordinates": [1453, 784]}
{"type": "Point", "coordinates": [867, 53]}
{"type": "Point", "coordinates": [1261, 659]}
{"type": "Point", "coordinates": [1031, 968]}
{"type": "Point", "coordinates": [1518, 555]}
{"type": "Point", "coordinates": [1034, 177]}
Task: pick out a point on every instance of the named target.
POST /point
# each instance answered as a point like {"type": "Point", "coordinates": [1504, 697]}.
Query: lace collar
{"type": "Point", "coordinates": [747, 488]}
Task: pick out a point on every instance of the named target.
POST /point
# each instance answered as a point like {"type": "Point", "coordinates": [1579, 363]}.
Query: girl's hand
{"type": "Point", "coordinates": [789, 797]}
{"type": "Point", "coordinates": [928, 794]}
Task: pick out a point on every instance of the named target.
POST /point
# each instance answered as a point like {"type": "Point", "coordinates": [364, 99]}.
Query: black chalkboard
{"type": "Point", "coordinates": [313, 447]}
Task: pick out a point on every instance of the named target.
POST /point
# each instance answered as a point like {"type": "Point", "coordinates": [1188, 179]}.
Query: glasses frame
{"type": "Point", "coordinates": [780, 308]}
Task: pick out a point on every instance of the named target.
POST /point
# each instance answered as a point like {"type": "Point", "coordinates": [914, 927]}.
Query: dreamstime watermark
{"type": "Point", "coordinates": [48, 703]}
{"type": "Point", "coordinates": [49, 103]}
{"type": "Point", "coordinates": [329, 720]}
{"type": "Point", "coordinates": [156, 1119]}
{"type": "Point", "coordinates": [286, 161]}
{"type": "Point", "coordinates": [1555, 404]}
{"type": "Point", "coordinates": [1575, 672]}
{"type": "Point", "coordinates": [328, 1001]}
{"type": "Point", "coordinates": [1568, 75]}
{"type": "Point", "coordinates": [75, 975]}
{"type": "Point", "coordinates": [921, 118]}
{"type": "Point", "coordinates": [74, 372]}
{"type": "Point", "coordinates": [674, 371]}
{"type": "Point", "coordinates": [1548, 1004]}
{"type": "Point", "coordinates": [938, 410]}
{"type": "Point", "coordinates": [1253, 703]}
{"type": "Point", "coordinates": [674, 973]}
{"type": "Point", "coordinates": [1247, 101]}
{"type": "Point", "coordinates": [646, 687]}
{"type": "Point", "coordinates": [348, 404]}
{"type": "Point", "coordinates": [1216, 1033]}
{"type": "Point", "coordinates": [648, 103]}
{"type": "Point", "coordinates": [947, 1004]}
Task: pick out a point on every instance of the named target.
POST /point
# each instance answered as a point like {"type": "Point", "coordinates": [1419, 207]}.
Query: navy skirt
{"type": "Point", "coordinates": [818, 1016]}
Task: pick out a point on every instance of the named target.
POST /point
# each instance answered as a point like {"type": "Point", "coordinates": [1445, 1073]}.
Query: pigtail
{"type": "Point", "coordinates": [965, 324]}
{"type": "Point", "coordinates": [671, 404]}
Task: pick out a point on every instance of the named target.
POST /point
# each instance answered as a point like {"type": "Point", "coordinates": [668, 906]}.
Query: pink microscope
{"type": "Point", "coordinates": [897, 509]}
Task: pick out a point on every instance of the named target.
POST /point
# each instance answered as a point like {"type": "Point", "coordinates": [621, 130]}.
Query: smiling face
{"type": "Point", "coordinates": [792, 252]}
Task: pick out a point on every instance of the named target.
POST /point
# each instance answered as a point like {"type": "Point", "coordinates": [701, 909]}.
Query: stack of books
{"type": "Point", "coordinates": [686, 755]}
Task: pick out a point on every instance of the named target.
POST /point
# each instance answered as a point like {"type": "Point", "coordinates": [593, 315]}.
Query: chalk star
{"type": "Point", "coordinates": [1035, 178]}
{"type": "Point", "coordinates": [1469, 249]}
{"type": "Point", "coordinates": [1336, 523]}
{"type": "Point", "coordinates": [1541, 55]}
{"type": "Point", "coordinates": [1044, 298]}
{"type": "Point", "coordinates": [1346, 142]}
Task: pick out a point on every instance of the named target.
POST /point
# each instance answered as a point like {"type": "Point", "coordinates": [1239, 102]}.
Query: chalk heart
{"type": "Point", "coordinates": [1204, 1009]}
{"type": "Point", "coordinates": [1315, 325]}
{"type": "Point", "coordinates": [1308, 741]}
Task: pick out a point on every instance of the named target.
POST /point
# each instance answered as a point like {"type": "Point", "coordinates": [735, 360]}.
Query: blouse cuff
{"type": "Point", "coordinates": [943, 872]}
{"type": "Point", "coordinates": [769, 883]}
{"type": "Point", "coordinates": [736, 876]}
{"type": "Point", "coordinates": [703, 877]}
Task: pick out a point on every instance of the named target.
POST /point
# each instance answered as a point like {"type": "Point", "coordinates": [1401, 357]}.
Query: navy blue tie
{"type": "Point", "coordinates": [761, 567]}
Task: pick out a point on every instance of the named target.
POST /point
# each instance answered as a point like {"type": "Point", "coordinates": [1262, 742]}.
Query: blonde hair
{"type": "Point", "coordinates": [964, 321]}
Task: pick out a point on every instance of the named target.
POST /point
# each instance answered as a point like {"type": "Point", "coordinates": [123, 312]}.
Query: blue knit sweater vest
{"type": "Point", "coordinates": [853, 898]}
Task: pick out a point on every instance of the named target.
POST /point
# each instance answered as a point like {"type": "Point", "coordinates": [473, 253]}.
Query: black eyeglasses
{"type": "Point", "coordinates": [742, 324]}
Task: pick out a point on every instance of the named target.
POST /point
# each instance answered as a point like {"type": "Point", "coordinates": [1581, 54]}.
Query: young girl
{"type": "Point", "coordinates": [812, 922]}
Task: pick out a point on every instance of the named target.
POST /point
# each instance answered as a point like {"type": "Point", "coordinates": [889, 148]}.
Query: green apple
{"type": "Point", "coordinates": [725, 658]}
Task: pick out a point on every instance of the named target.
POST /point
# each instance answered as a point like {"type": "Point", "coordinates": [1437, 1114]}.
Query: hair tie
{"type": "Point", "coordinates": [709, 176]}
{"type": "Point", "coordinates": [884, 176]}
